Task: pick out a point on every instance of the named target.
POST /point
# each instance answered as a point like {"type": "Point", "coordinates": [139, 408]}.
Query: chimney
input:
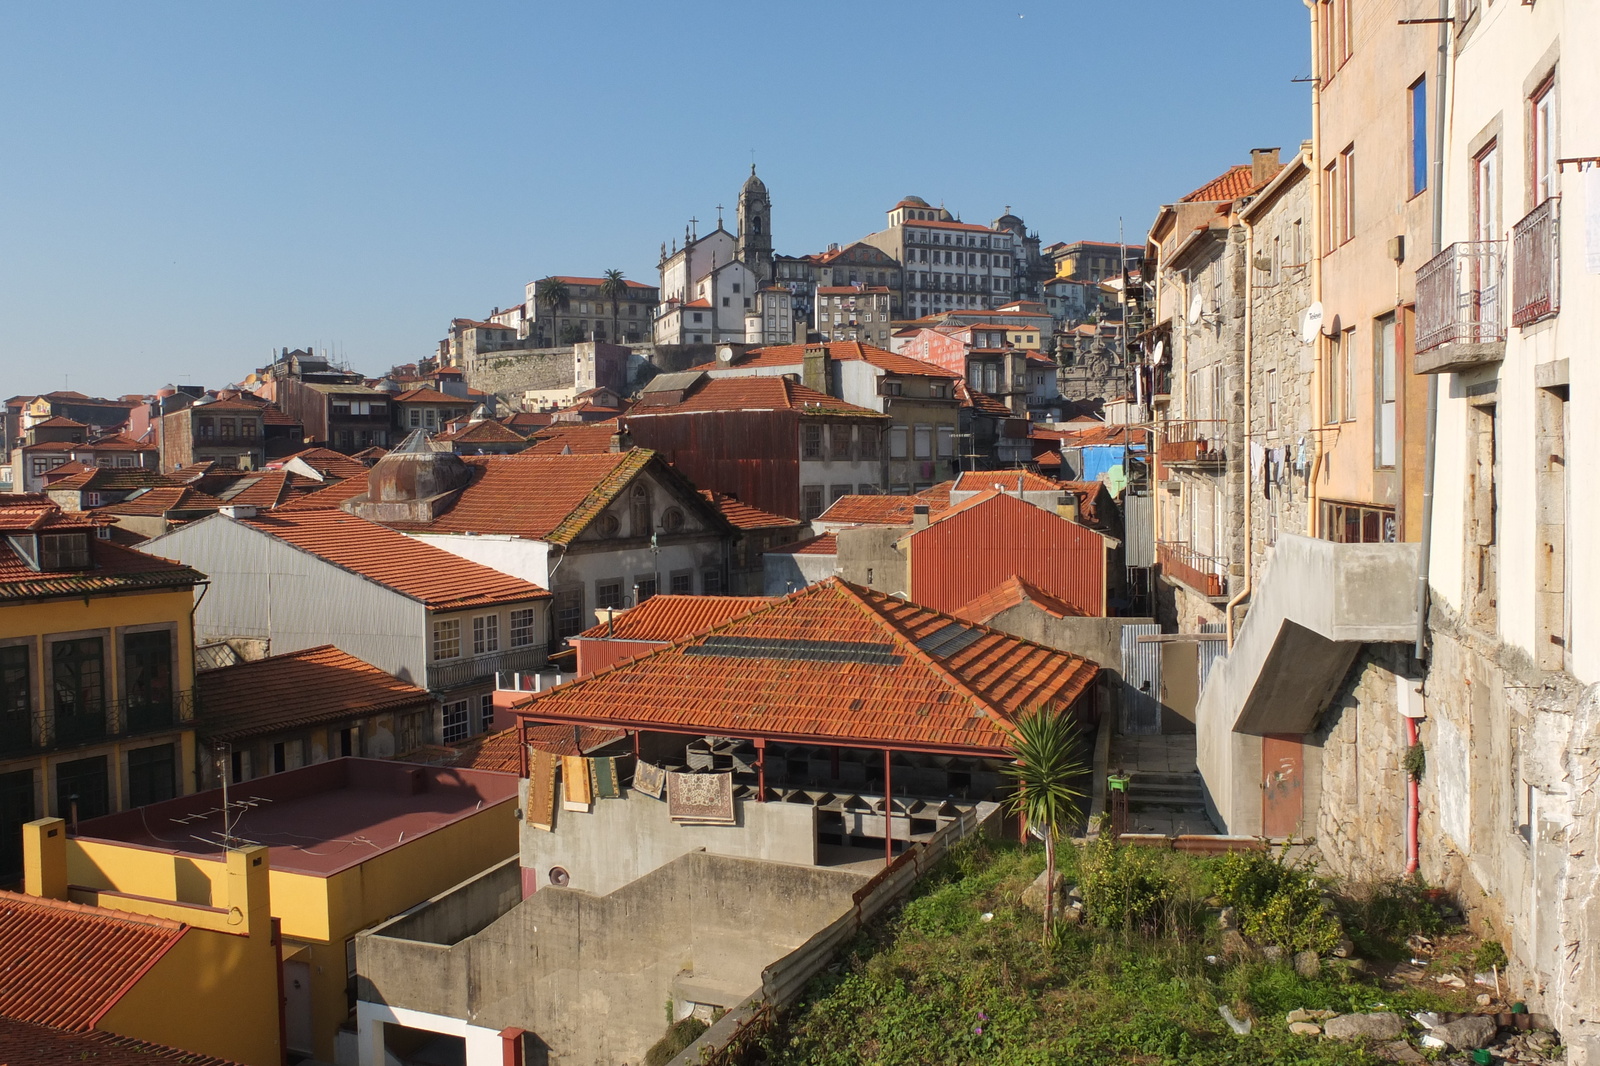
{"type": "Point", "coordinates": [44, 858]}
{"type": "Point", "coordinates": [1067, 506]}
{"type": "Point", "coordinates": [919, 517]}
{"type": "Point", "coordinates": [814, 368]}
{"type": "Point", "coordinates": [1263, 164]}
{"type": "Point", "coordinates": [238, 510]}
{"type": "Point", "coordinates": [621, 440]}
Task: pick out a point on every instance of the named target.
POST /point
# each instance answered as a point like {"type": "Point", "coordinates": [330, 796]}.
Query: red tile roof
{"type": "Point", "coordinates": [294, 690]}
{"type": "Point", "coordinates": [485, 432]}
{"type": "Point", "coordinates": [161, 500]}
{"type": "Point", "coordinates": [667, 617]}
{"type": "Point", "coordinates": [114, 479]}
{"type": "Point", "coordinates": [498, 752]}
{"type": "Point", "coordinates": [37, 1045]}
{"type": "Point", "coordinates": [742, 516]}
{"type": "Point", "coordinates": [574, 438]}
{"type": "Point", "coordinates": [266, 491]}
{"type": "Point", "coordinates": [115, 569]}
{"type": "Point", "coordinates": [225, 405]}
{"type": "Point", "coordinates": [426, 395]}
{"type": "Point", "coordinates": [1088, 435]}
{"type": "Point", "coordinates": [1009, 480]}
{"type": "Point", "coordinates": [831, 662]}
{"type": "Point", "coordinates": [572, 280]}
{"type": "Point", "coordinates": [822, 544]}
{"type": "Point", "coordinates": [65, 964]}
{"type": "Point", "coordinates": [753, 394]}
{"type": "Point", "coordinates": [59, 422]}
{"type": "Point", "coordinates": [430, 575]}
{"type": "Point", "coordinates": [1010, 593]}
{"type": "Point", "coordinates": [844, 351]}
{"type": "Point", "coordinates": [876, 510]}
{"type": "Point", "coordinates": [32, 511]}
{"type": "Point", "coordinates": [118, 442]}
{"type": "Point", "coordinates": [1233, 183]}
{"type": "Point", "coordinates": [324, 461]}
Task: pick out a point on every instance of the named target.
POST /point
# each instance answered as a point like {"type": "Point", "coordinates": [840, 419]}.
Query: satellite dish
{"type": "Point", "coordinates": [1311, 325]}
{"type": "Point", "coordinates": [1196, 309]}
{"type": "Point", "coordinates": [1155, 354]}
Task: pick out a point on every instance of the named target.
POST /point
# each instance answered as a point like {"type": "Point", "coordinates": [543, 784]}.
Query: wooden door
{"type": "Point", "coordinates": [1282, 785]}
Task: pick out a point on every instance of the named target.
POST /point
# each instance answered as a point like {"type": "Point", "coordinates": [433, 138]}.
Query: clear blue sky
{"type": "Point", "coordinates": [187, 187]}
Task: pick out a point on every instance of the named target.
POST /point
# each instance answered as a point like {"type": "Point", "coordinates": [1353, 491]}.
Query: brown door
{"type": "Point", "coordinates": [1282, 785]}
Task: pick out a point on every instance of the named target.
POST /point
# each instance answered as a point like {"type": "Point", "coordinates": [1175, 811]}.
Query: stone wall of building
{"type": "Point", "coordinates": [1360, 812]}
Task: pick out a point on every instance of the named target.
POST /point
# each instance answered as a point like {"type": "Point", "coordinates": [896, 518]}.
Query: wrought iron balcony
{"type": "Point", "coordinates": [76, 726]}
{"type": "Point", "coordinates": [1461, 321]}
{"type": "Point", "coordinates": [1536, 264]}
{"type": "Point", "coordinates": [1206, 574]}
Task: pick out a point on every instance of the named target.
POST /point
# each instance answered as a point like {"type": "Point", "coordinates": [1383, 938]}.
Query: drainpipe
{"type": "Point", "coordinates": [1413, 806]}
{"type": "Point", "coordinates": [1249, 489]}
{"type": "Point", "coordinates": [1313, 500]}
{"type": "Point", "coordinates": [1440, 111]}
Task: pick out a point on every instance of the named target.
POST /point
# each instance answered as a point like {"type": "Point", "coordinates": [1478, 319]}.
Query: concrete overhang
{"type": "Point", "coordinates": [1316, 604]}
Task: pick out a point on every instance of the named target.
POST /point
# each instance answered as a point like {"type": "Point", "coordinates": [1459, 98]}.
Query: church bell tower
{"type": "Point", "coordinates": [755, 227]}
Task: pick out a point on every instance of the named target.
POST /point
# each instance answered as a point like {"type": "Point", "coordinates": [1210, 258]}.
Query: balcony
{"type": "Point", "coordinates": [1461, 323]}
{"type": "Point", "coordinates": [1536, 264]}
{"type": "Point", "coordinates": [1192, 444]}
{"type": "Point", "coordinates": [23, 732]}
{"type": "Point", "coordinates": [1205, 574]}
{"type": "Point", "coordinates": [458, 673]}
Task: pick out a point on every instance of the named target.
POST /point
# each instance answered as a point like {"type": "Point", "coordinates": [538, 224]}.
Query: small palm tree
{"type": "Point", "coordinates": [614, 288]}
{"type": "Point", "coordinates": [557, 298]}
{"type": "Point", "coordinates": [1049, 764]}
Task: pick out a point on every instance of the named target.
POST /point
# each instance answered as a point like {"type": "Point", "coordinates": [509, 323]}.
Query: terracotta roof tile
{"type": "Point", "coordinates": [1233, 183]}
{"type": "Point", "coordinates": [118, 442]}
{"type": "Point", "coordinates": [115, 479]}
{"type": "Point", "coordinates": [430, 575]}
{"type": "Point", "coordinates": [115, 569]}
{"type": "Point", "coordinates": [162, 499]}
{"type": "Point", "coordinates": [59, 422]}
{"type": "Point", "coordinates": [294, 690]}
{"type": "Point", "coordinates": [753, 394]}
{"type": "Point", "coordinates": [831, 662]}
{"type": "Point", "coordinates": [426, 395]}
{"type": "Point", "coordinates": [742, 516]}
{"type": "Point", "coordinates": [573, 280]}
{"type": "Point", "coordinates": [1008, 480]}
{"type": "Point", "coordinates": [844, 351]}
{"type": "Point", "coordinates": [485, 432]}
{"type": "Point", "coordinates": [875, 510]}
{"type": "Point", "coordinates": [668, 617]}
{"type": "Point", "coordinates": [1010, 593]}
{"type": "Point", "coordinates": [37, 1045]}
{"type": "Point", "coordinates": [574, 438]}
{"type": "Point", "coordinates": [497, 752]}
{"type": "Point", "coordinates": [266, 491]}
{"type": "Point", "coordinates": [324, 461]}
{"type": "Point", "coordinates": [822, 544]}
{"type": "Point", "coordinates": [64, 964]}
{"type": "Point", "coordinates": [34, 511]}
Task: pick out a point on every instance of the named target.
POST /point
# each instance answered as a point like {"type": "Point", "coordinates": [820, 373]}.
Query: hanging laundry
{"type": "Point", "coordinates": [540, 810]}
{"type": "Point", "coordinates": [606, 784]}
{"type": "Point", "coordinates": [577, 787]}
{"type": "Point", "coordinates": [700, 799]}
{"type": "Point", "coordinates": [649, 779]}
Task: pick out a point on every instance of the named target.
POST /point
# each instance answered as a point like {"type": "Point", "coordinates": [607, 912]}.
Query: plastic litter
{"type": "Point", "coordinates": [1242, 1028]}
{"type": "Point", "coordinates": [1215, 960]}
{"type": "Point", "coordinates": [1427, 1019]}
{"type": "Point", "coordinates": [986, 916]}
{"type": "Point", "coordinates": [1429, 1040]}
{"type": "Point", "coordinates": [1484, 979]}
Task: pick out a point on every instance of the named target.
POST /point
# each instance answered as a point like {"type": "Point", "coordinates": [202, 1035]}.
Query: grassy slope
{"type": "Point", "coordinates": [937, 984]}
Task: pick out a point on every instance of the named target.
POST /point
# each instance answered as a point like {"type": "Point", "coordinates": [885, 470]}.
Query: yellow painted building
{"type": "Point", "coordinates": [199, 977]}
{"type": "Point", "coordinates": [353, 842]}
{"type": "Point", "coordinates": [96, 672]}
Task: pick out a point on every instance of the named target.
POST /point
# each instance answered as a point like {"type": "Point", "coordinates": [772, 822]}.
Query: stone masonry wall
{"type": "Point", "coordinates": [1360, 819]}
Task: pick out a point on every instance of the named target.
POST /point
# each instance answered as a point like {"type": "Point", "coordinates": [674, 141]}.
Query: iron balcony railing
{"type": "Point", "coordinates": [1205, 574]}
{"type": "Point", "coordinates": [455, 673]}
{"type": "Point", "coordinates": [75, 726]}
{"type": "Point", "coordinates": [1536, 264]}
{"type": "Point", "coordinates": [1459, 296]}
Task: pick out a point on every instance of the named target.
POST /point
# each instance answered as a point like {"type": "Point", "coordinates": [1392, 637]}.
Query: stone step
{"type": "Point", "coordinates": [1172, 806]}
{"type": "Point", "coordinates": [1170, 794]}
{"type": "Point", "coordinates": [1146, 777]}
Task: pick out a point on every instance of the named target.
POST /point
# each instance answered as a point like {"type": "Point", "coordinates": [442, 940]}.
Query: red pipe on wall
{"type": "Point", "coordinates": [1413, 805]}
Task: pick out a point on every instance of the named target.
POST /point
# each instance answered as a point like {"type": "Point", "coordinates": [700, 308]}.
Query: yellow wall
{"type": "Point", "coordinates": [322, 912]}
{"type": "Point", "coordinates": [42, 620]}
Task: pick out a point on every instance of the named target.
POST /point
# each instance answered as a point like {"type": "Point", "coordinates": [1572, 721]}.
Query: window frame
{"type": "Point", "coordinates": [442, 635]}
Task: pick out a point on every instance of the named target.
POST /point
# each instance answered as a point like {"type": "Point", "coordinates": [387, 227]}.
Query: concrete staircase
{"type": "Point", "coordinates": [1170, 793]}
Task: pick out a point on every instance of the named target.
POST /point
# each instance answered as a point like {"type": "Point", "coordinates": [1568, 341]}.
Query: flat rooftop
{"type": "Point", "coordinates": [316, 820]}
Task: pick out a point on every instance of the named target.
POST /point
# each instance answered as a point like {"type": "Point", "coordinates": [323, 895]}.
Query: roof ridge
{"type": "Point", "coordinates": [944, 673]}
{"type": "Point", "coordinates": [628, 466]}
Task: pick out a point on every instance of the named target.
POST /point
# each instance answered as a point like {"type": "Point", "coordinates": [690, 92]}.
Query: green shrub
{"type": "Point", "coordinates": [1278, 902]}
{"type": "Point", "coordinates": [1380, 916]}
{"type": "Point", "coordinates": [679, 1036]}
{"type": "Point", "coordinates": [1489, 954]}
{"type": "Point", "coordinates": [1124, 887]}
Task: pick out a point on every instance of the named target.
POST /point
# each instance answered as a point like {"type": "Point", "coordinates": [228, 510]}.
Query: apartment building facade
{"type": "Point", "coordinates": [946, 263]}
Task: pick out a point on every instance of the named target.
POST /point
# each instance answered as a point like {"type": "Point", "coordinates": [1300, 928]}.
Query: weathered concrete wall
{"type": "Point", "coordinates": [622, 840]}
{"type": "Point", "coordinates": [509, 374]}
{"type": "Point", "coordinates": [589, 975]}
{"type": "Point", "coordinates": [463, 910]}
{"type": "Point", "coordinates": [868, 556]}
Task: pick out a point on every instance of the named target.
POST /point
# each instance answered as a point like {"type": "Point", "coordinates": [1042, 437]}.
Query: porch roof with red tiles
{"type": "Point", "coordinates": [498, 753]}
{"type": "Point", "coordinates": [297, 689]}
{"type": "Point", "coordinates": [1013, 592]}
{"type": "Point", "coordinates": [65, 964]}
{"type": "Point", "coordinates": [434, 577]}
{"type": "Point", "coordinates": [831, 663]}
{"type": "Point", "coordinates": [754, 394]}
{"type": "Point", "coordinates": [667, 617]}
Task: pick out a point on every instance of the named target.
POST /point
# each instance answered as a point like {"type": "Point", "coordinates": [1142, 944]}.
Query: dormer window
{"type": "Point", "coordinates": [63, 551]}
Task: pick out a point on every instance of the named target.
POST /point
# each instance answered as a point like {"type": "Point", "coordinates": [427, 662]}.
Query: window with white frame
{"type": "Point", "coordinates": [447, 638]}
{"type": "Point", "coordinates": [486, 712]}
{"type": "Point", "coordinates": [455, 727]}
{"type": "Point", "coordinates": [522, 627]}
{"type": "Point", "coordinates": [485, 634]}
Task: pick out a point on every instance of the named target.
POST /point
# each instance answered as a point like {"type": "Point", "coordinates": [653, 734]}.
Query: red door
{"type": "Point", "coordinates": [1282, 785]}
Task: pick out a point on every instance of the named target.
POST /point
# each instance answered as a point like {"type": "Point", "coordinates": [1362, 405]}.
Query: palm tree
{"type": "Point", "coordinates": [557, 298]}
{"type": "Point", "coordinates": [614, 288]}
{"type": "Point", "coordinates": [1049, 764]}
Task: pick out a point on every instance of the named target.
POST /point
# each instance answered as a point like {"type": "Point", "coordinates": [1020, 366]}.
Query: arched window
{"type": "Point", "coordinates": [755, 224]}
{"type": "Point", "coordinates": [639, 510]}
